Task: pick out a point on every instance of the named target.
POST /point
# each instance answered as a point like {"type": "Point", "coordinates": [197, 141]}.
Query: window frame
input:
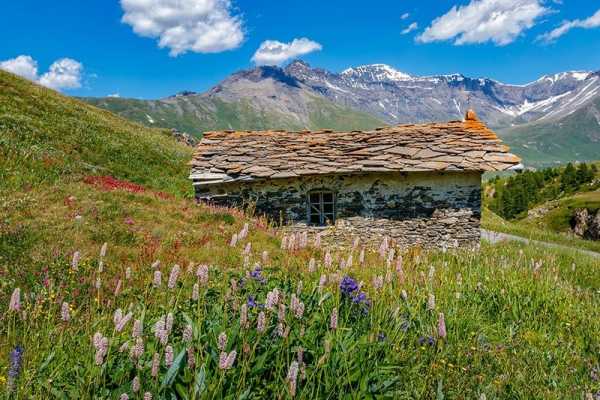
{"type": "Point", "coordinates": [318, 208]}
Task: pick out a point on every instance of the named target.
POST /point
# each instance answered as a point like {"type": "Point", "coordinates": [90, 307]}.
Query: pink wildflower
{"type": "Point", "coordinates": [322, 282]}
{"type": "Point", "coordinates": [244, 316]}
{"type": "Point", "coordinates": [75, 261]}
{"type": "Point", "coordinates": [173, 276]}
{"type": "Point", "coordinates": [155, 365]}
{"type": "Point", "coordinates": [431, 302]}
{"type": "Point", "coordinates": [157, 278]}
{"type": "Point", "coordinates": [377, 282]}
{"type": "Point", "coordinates": [124, 396]}
{"type": "Point", "coordinates": [135, 384]}
{"type": "Point", "coordinates": [138, 349]}
{"type": "Point", "coordinates": [117, 316]}
{"type": "Point", "coordinates": [328, 261]}
{"type": "Point", "coordinates": [15, 300]}
{"type": "Point", "coordinates": [292, 377]}
{"type": "Point", "coordinates": [191, 359]}
{"type": "Point", "coordinates": [138, 328]}
{"type": "Point", "coordinates": [187, 334]}
{"type": "Point", "coordinates": [222, 341]}
{"type": "Point", "coordinates": [147, 396]}
{"type": "Point", "coordinates": [333, 320]}
{"type": "Point", "coordinates": [65, 313]}
{"type": "Point", "coordinates": [248, 249]}
{"type": "Point", "coordinates": [234, 240]}
{"type": "Point", "coordinates": [441, 326]}
{"type": "Point", "coordinates": [312, 265]}
{"type": "Point", "coordinates": [123, 322]}
{"type": "Point", "coordinates": [156, 264]}
{"type": "Point", "coordinates": [261, 323]}
{"type": "Point", "coordinates": [195, 292]}
{"type": "Point", "coordinates": [169, 356]}
{"type": "Point", "coordinates": [202, 274]}
{"type": "Point", "coordinates": [118, 288]}
{"type": "Point", "coordinates": [272, 299]}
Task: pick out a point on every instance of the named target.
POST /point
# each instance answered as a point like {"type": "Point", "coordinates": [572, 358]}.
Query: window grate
{"type": "Point", "coordinates": [321, 208]}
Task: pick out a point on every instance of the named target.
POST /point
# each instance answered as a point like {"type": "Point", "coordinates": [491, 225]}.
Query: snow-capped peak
{"type": "Point", "coordinates": [577, 75]}
{"type": "Point", "coordinates": [376, 72]}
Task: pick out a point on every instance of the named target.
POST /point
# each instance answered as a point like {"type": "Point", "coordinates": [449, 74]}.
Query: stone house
{"type": "Point", "coordinates": [417, 184]}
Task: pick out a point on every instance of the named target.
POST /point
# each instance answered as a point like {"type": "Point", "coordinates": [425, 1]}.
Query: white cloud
{"type": "Point", "coordinates": [273, 52]}
{"type": "Point", "coordinates": [410, 28]}
{"type": "Point", "coordinates": [65, 73]}
{"type": "Point", "coordinates": [114, 95]}
{"type": "Point", "coordinates": [480, 21]}
{"type": "Point", "coordinates": [24, 66]}
{"type": "Point", "coordinates": [405, 15]}
{"type": "Point", "coordinates": [200, 26]}
{"type": "Point", "coordinates": [566, 26]}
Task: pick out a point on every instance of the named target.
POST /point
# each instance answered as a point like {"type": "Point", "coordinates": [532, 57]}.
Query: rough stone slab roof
{"type": "Point", "coordinates": [467, 145]}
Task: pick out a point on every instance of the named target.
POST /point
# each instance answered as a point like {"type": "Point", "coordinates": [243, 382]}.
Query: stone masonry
{"type": "Point", "coordinates": [430, 209]}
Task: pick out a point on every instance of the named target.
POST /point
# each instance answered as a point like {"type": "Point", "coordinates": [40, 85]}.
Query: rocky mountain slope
{"type": "Point", "coordinates": [301, 97]}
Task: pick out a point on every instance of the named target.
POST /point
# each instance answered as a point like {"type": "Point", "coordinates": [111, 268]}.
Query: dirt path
{"type": "Point", "coordinates": [497, 237]}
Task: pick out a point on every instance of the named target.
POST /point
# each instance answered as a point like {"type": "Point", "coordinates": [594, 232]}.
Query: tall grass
{"type": "Point", "coordinates": [519, 324]}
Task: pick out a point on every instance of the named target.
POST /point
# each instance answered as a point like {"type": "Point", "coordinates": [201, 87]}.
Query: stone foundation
{"type": "Point", "coordinates": [430, 209]}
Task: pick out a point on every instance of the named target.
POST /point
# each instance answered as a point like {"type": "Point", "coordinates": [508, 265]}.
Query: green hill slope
{"type": "Point", "coordinates": [575, 137]}
{"type": "Point", "coordinates": [196, 114]}
{"type": "Point", "coordinates": [47, 136]}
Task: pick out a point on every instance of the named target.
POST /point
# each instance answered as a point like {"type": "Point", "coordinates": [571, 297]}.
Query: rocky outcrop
{"type": "Point", "coordinates": [184, 138]}
{"type": "Point", "coordinates": [585, 224]}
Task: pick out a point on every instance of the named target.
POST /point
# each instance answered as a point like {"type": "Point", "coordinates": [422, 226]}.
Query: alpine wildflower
{"type": "Point", "coordinates": [191, 359]}
{"type": "Point", "coordinates": [261, 322]}
{"type": "Point", "coordinates": [173, 276]}
{"type": "Point", "coordinates": [312, 265]}
{"type": "Point", "coordinates": [244, 316]}
{"type": "Point", "coordinates": [155, 365]}
{"type": "Point", "coordinates": [441, 326]}
{"type": "Point", "coordinates": [361, 256]}
{"type": "Point", "coordinates": [292, 377]}
{"type": "Point", "coordinates": [14, 369]}
{"type": "Point", "coordinates": [65, 313]}
{"type": "Point", "coordinates": [431, 302]}
{"type": "Point", "coordinates": [187, 334]}
{"type": "Point", "coordinates": [147, 396]}
{"type": "Point", "coordinates": [124, 396]}
{"type": "Point", "coordinates": [222, 341]}
{"type": "Point", "coordinates": [75, 261]}
{"type": "Point", "coordinates": [138, 328]}
{"type": "Point", "coordinates": [195, 292]}
{"type": "Point", "coordinates": [15, 300]}
{"type": "Point", "coordinates": [202, 274]}
{"type": "Point", "coordinates": [123, 322]}
{"type": "Point", "coordinates": [168, 356]}
{"type": "Point", "coordinates": [333, 319]}
{"type": "Point", "coordinates": [135, 384]}
{"type": "Point", "coordinates": [103, 250]}
{"type": "Point", "coordinates": [157, 279]}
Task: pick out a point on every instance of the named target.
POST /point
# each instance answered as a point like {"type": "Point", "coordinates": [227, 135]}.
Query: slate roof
{"type": "Point", "coordinates": [468, 145]}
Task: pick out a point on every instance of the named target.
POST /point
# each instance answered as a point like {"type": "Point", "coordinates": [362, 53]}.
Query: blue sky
{"type": "Point", "coordinates": [113, 47]}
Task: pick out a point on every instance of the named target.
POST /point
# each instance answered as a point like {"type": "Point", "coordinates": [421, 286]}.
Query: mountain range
{"type": "Point", "coordinates": [553, 119]}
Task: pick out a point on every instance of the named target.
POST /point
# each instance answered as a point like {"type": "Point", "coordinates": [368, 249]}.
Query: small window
{"type": "Point", "coordinates": [321, 208]}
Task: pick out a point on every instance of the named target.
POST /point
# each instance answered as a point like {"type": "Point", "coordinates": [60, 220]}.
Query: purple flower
{"type": "Point", "coordinates": [256, 274]}
{"type": "Point", "coordinates": [252, 302]}
{"type": "Point", "coordinates": [16, 361]}
{"type": "Point", "coordinates": [430, 340]}
{"type": "Point", "coordinates": [348, 286]}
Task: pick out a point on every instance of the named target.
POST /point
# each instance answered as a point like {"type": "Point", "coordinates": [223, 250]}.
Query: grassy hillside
{"type": "Point", "coordinates": [47, 137]}
{"type": "Point", "coordinates": [572, 138]}
{"type": "Point", "coordinates": [507, 321]}
{"type": "Point", "coordinates": [196, 114]}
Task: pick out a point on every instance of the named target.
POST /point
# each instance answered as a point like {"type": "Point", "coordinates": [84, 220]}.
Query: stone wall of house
{"type": "Point", "coordinates": [432, 209]}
